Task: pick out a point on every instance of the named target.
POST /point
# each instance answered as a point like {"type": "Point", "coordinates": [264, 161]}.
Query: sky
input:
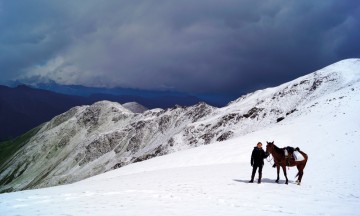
{"type": "Point", "coordinates": [203, 46]}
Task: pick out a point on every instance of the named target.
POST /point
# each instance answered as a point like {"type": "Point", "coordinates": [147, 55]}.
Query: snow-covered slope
{"type": "Point", "coordinates": [212, 179]}
{"type": "Point", "coordinates": [135, 107]}
{"type": "Point", "coordinates": [90, 140]}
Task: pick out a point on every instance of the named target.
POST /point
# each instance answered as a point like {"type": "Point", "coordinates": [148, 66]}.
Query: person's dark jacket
{"type": "Point", "coordinates": [257, 156]}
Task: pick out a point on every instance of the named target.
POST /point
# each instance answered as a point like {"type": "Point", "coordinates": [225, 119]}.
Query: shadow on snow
{"type": "Point", "coordinates": [263, 180]}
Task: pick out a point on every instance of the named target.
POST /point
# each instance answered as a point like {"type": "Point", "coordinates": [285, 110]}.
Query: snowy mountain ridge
{"type": "Point", "coordinates": [89, 140]}
{"type": "Point", "coordinates": [135, 107]}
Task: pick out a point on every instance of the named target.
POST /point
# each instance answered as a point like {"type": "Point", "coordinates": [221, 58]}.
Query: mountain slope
{"type": "Point", "coordinates": [93, 139]}
{"type": "Point", "coordinates": [90, 140]}
{"type": "Point", "coordinates": [212, 180]}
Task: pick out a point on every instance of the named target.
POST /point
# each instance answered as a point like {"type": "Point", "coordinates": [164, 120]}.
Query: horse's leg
{"type": "Point", "coordinates": [278, 171]}
{"type": "Point", "coordinates": [298, 174]}
{"type": "Point", "coordinates": [284, 169]}
{"type": "Point", "coordinates": [301, 173]}
{"type": "Point", "coordinates": [300, 168]}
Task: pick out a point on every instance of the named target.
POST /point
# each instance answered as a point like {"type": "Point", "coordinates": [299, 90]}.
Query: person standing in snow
{"type": "Point", "coordinates": [257, 161]}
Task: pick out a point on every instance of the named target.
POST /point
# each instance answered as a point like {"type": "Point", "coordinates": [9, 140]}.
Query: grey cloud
{"type": "Point", "coordinates": [196, 46]}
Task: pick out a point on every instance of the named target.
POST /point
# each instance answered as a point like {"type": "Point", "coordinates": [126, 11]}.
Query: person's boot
{"type": "Point", "coordinates": [252, 178]}
{"type": "Point", "coordinates": [259, 180]}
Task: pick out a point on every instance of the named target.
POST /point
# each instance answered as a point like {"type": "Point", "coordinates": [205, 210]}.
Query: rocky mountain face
{"type": "Point", "coordinates": [90, 140]}
{"type": "Point", "coordinates": [32, 106]}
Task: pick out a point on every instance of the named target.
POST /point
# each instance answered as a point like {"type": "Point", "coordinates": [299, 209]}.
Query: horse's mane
{"type": "Point", "coordinates": [279, 150]}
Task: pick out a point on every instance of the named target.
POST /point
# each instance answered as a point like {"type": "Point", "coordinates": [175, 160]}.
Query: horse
{"type": "Point", "coordinates": [280, 160]}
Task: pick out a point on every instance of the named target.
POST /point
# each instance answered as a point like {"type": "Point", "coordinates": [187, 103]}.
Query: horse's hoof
{"type": "Point", "coordinates": [277, 181]}
{"type": "Point", "coordinates": [286, 183]}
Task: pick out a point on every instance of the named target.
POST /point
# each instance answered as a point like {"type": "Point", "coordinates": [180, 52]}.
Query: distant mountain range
{"type": "Point", "coordinates": [149, 98]}
{"type": "Point", "coordinates": [23, 107]}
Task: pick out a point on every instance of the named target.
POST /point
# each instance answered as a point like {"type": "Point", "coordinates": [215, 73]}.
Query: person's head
{"type": "Point", "coordinates": [259, 145]}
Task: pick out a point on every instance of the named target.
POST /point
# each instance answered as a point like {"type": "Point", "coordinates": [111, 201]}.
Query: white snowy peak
{"type": "Point", "coordinates": [135, 107]}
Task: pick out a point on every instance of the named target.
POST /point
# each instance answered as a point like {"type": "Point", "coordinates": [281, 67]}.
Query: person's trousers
{"type": "Point", "coordinates": [255, 167]}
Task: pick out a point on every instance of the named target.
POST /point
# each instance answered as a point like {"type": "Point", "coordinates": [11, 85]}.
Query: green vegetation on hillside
{"type": "Point", "coordinates": [10, 147]}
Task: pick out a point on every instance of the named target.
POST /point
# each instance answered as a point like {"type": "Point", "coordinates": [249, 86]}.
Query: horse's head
{"type": "Point", "coordinates": [269, 146]}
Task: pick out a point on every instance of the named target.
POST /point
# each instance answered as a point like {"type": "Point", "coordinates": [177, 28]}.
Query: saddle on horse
{"type": "Point", "coordinates": [290, 154]}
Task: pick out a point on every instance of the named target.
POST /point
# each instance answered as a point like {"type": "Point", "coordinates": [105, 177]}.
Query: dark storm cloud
{"type": "Point", "coordinates": [227, 46]}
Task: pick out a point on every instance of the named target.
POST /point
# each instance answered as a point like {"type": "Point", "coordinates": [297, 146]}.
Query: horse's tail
{"type": "Point", "coordinates": [305, 156]}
